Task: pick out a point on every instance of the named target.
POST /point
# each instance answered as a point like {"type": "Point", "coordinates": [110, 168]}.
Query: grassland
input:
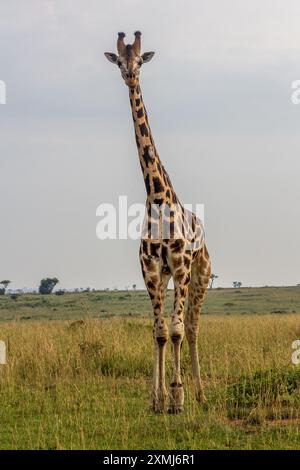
{"type": "Point", "coordinates": [102, 304]}
{"type": "Point", "coordinates": [85, 385]}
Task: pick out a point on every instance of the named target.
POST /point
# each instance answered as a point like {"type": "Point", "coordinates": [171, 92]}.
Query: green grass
{"type": "Point", "coordinates": [272, 393]}
{"type": "Point", "coordinates": [113, 414]}
{"type": "Point", "coordinates": [100, 304]}
{"type": "Point", "coordinates": [86, 385]}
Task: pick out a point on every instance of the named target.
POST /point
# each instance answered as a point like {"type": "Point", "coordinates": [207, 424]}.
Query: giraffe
{"type": "Point", "coordinates": [172, 246]}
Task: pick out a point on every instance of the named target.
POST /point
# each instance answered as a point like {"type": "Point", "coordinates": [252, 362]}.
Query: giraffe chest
{"type": "Point", "coordinates": [166, 256]}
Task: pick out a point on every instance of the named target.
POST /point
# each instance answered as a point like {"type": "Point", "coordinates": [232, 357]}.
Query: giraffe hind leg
{"type": "Point", "coordinates": [201, 270]}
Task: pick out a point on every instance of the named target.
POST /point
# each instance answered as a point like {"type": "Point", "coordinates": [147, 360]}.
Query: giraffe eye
{"type": "Point", "coordinates": [140, 61]}
{"type": "Point", "coordinates": [119, 63]}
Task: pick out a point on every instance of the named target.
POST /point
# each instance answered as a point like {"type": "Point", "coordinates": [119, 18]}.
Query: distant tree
{"type": "Point", "coordinates": [212, 279]}
{"type": "Point", "coordinates": [47, 285]}
{"type": "Point", "coordinates": [134, 286]}
{"type": "Point", "coordinates": [237, 284]}
{"type": "Point", "coordinates": [2, 291]}
{"type": "Point", "coordinates": [5, 284]}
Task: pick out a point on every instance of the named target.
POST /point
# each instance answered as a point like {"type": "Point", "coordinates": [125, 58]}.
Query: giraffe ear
{"type": "Point", "coordinates": [111, 57]}
{"type": "Point", "coordinates": [147, 56]}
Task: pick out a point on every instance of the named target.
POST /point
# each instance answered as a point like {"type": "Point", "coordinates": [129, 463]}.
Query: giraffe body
{"type": "Point", "coordinates": [172, 245]}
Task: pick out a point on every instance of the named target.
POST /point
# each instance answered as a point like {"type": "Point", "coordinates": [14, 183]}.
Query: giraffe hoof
{"type": "Point", "coordinates": [158, 409]}
{"type": "Point", "coordinates": [159, 404]}
{"type": "Point", "coordinates": [201, 398]}
{"type": "Point", "coordinates": [175, 410]}
{"type": "Point", "coordinates": [176, 398]}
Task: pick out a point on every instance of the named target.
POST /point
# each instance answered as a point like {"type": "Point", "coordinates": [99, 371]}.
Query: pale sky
{"type": "Point", "coordinates": [218, 95]}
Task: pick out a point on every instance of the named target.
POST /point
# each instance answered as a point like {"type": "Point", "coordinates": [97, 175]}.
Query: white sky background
{"type": "Point", "coordinates": [218, 94]}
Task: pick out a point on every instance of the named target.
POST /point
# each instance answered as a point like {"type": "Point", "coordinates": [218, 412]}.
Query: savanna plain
{"type": "Point", "coordinates": [79, 368]}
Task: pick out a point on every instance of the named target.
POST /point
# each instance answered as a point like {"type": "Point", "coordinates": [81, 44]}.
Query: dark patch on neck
{"type": "Point", "coordinates": [147, 183]}
{"type": "Point", "coordinates": [146, 155]}
{"type": "Point", "coordinates": [143, 129]}
{"type": "Point", "coordinates": [158, 187]}
{"type": "Point", "coordinates": [137, 140]}
{"type": "Point", "coordinates": [140, 113]}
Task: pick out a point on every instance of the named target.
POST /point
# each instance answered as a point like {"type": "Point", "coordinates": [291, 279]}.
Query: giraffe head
{"type": "Point", "coordinates": [129, 58]}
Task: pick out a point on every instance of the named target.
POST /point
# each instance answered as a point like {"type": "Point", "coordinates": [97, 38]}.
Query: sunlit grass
{"type": "Point", "coordinates": [87, 385]}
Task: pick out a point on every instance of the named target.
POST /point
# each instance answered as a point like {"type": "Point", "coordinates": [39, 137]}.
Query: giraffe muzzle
{"type": "Point", "coordinates": [131, 82]}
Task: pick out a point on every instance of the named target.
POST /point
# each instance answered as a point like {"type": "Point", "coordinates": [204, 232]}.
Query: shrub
{"type": "Point", "coordinates": [60, 292]}
{"type": "Point", "coordinates": [14, 296]}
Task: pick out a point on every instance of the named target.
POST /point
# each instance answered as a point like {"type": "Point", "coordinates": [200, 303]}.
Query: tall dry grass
{"type": "Point", "coordinates": [86, 384]}
{"type": "Point", "coordinates": [47, 351]}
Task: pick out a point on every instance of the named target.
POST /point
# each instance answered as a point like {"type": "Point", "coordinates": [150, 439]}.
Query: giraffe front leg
{"type": "Point", "coordinates": [177, 335]}
{"type": "Point", "coordinates": [159, 390]}
{"type": "Point", "coordinates": [160, 336]}
{"type": "Point", "coordinates": [156, 284]}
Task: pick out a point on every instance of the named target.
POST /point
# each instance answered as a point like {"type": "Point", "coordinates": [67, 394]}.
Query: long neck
{"type": "Point", "coordinates": [158, 185]}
